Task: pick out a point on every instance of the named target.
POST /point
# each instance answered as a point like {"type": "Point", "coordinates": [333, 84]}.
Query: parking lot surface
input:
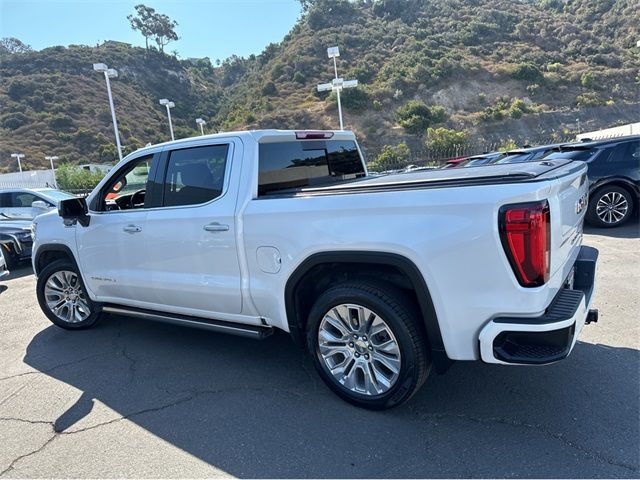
{"type": "Point", "coordinates": [131, 398]}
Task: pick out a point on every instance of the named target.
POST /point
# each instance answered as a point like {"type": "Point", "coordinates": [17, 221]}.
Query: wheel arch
{"type": "Point", "coordinates": [50, 253]}
{"type": "Point", "coordinates": [621, 182]}
{"type": "Point", "coordinates": [397, 269]}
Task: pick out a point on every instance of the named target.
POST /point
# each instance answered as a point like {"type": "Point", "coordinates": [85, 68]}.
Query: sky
{"type": "Point", "coordinates": [207, 28]}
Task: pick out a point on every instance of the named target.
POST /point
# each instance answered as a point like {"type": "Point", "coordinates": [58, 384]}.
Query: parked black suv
{"type": "Point", "coordinates": [614, 177]}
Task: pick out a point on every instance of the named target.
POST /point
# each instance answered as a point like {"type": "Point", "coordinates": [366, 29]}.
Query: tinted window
{"type": "Point", "coordinates": [5, 200]}
{"type": "Point", "coordinates": [285, 165]}
{"type": "Point", "coordinates": [195, 175]}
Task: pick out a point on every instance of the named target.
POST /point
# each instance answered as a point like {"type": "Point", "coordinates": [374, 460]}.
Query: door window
{"type": "Point", "coordinates": [195, 175]}
{"type": "Point", "coordinates": [24, 199]}
{"type": "Point", "coordinates": [127, 189]}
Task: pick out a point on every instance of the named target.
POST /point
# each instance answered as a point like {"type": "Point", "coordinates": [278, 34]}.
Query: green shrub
{"type": "Point", "coordinates": [415, 116]}
{"type": "Point", "coordinates": [73, 177]}
{"type": "Point", "coordinates": [526, 71]}
{"type": "Point", "coordinates": [589, 99]}
{"type": "Point", "coordinates": [588, 80]}
{"type": "Point", "coordinates": [14, 120]}
{"type": "Point", "coordinates": [392, 157]}
{"type": "Point", "coordinates": [445, 142]}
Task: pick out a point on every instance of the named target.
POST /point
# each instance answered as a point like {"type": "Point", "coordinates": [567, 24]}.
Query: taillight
{"type": "Point", "coordinates": [525, 232]}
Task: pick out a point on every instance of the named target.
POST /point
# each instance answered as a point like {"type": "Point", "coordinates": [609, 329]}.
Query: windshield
{"type": "Point", "coordinates": [514, 158]}
{"type": "Point", "coordinates": [58, 195]}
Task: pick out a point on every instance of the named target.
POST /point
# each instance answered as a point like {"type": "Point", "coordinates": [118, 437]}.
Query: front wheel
{"type": "Point", "coordinates": [367, 344]}
{"type": "Point", "coordinates": [63, 299]}
{"type": "Point", "coordinates": [610, 207]}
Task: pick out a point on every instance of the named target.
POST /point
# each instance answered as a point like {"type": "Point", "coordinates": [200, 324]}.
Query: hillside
{"type": "Point", "coordinates": [499, 70]}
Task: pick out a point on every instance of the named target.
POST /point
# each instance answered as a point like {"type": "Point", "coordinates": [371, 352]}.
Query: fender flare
{"type": "Point", "coordinates": [439, 355]}
{"type": "Point", "coordinates": [53, 247]}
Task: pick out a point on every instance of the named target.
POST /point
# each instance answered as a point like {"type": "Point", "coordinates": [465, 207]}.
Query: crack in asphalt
{"type": "Point", "coordinates": [195, 394]}
{"type": "Point", "coordinates": [530, 426]}
{"type": "Point", "coordinates": [54, 368]}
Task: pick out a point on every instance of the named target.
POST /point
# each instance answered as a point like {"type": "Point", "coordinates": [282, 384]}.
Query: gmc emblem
{"type": "Point", "coordinates": [581, 204]}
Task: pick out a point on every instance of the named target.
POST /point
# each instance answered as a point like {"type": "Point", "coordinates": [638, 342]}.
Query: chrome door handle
{"type": "Point", "coordinates": [216, 227]}
{"type": "Point", "coordinates": [132, 229]}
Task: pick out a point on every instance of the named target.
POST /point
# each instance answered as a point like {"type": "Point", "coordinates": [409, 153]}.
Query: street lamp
{"type": "Point", "coordinates": [337, 83]}
{"type": "Point", "coordinates": [169, 105]}
{"type": "Point", "coordinates": [110, 73]}
{"type": "Point", "coordinates": [53, 170]}
{"type": "Point", "coordinates": [202, 123]}
{"type": "Point", "coordinates": [18, 156]}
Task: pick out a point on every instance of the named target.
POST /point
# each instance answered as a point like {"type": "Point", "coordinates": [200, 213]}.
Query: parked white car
{"type": "Point", "coordinates": [381, 278]}
{"type": "Point", "coordinates": [28, 203]}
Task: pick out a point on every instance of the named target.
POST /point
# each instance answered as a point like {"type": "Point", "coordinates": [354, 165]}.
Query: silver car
{"type": "Point", "coordinates": [28, 203]}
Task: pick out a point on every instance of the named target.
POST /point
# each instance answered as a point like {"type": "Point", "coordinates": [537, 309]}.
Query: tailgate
{"type": "Point", "coordinates": [568, 201]}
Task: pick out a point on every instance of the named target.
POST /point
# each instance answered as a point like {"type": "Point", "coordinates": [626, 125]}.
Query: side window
{"type": "Point", "coordinates": [287, 165]}
{"type": "Point", "coordinates": [23, 199]}
{"type": "Point", "coordinates": [195, 175]}
{"type": "Point", "coordinates": [127, 189]}
{"type": "Point", "coordinates": [5, 200]}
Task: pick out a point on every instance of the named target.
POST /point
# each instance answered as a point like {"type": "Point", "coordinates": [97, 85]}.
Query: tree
{"type": "Point", "coordinates": [13, 45]}
{"type": "Point", "coordinates": [143, 22]}
{"type": "Point", "coordinates": [153, 25]}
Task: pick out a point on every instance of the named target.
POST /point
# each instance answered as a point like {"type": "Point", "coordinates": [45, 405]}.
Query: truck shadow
{"type": "Point", "coordinates": [630, 229]}
{"type": "Point", "coordinates": [257, 409]}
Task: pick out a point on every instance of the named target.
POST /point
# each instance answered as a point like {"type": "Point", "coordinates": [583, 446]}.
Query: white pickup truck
{"type": "Point", "coordinates": [380, 277]}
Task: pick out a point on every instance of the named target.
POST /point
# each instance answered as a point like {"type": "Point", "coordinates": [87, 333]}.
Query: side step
{"type": "Point", "coordinates": [248, 331]}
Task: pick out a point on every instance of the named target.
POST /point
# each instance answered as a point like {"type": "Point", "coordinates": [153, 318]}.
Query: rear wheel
{"type": "Point", "coordinates": [367, 344]}
{"type": "Point", "coordinates": [63, 299]}
{"type": "Point", "coordinates": [610, 207]}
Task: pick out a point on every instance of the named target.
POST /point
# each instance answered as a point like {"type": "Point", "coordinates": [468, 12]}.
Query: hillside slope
{"type": "Point", "coordinates": [522, 70]}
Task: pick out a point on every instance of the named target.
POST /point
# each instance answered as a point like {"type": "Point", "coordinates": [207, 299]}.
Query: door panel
{"type": "Point", "coordinates": [112, 248]}
{"type": "Point", "coordinates": [193, 246]}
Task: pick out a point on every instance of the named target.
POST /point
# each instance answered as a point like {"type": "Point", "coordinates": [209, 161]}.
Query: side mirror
{"type": "Point", "coordinates": [40, 205]}
{"type": "Point", "coordinates": [74, 209]}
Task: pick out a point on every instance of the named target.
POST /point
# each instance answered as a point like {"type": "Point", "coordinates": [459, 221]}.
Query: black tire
{"type": "Point", "coordinates": [44, 276]}
{"type": "Point", "coordinates": [403, 319]}
{"type": "Point", "coordinates": [603, 193]}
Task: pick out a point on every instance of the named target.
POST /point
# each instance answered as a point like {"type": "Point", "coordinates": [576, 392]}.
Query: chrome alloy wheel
{"type": "Point", "coordinates": [65, 297]}
{"type": "Point", "coordinates": [359, 349]}
{"type": "Point", "coordinates": [612, 207]}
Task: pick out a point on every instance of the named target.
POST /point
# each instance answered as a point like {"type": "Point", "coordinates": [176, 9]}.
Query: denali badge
{"type": "Point", "coordinates": [581, 204]}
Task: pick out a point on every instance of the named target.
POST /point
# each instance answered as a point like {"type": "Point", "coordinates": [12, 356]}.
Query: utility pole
{"type": "Point", "coordinates": [110, 73]}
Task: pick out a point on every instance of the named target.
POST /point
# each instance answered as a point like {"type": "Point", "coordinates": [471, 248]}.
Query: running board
{"type": "Point", "coordinates": [249, 331]}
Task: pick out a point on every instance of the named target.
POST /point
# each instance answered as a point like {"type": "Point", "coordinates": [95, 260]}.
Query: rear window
{"type": "Point", "coordinates": [581, 154]}
{"type": "Point", "coordinates": [298, 164]}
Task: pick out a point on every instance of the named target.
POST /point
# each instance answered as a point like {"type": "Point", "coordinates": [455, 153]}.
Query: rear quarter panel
{"type": "Point", "coordinates": [450, 234]}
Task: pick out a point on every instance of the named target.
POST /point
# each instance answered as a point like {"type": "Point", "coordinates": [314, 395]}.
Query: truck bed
{"type": "Point", "coordinates": [450, 177]}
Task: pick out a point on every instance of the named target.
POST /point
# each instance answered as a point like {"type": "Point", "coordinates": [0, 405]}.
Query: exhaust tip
{"type": "Point", "coordinates": [592, 316]}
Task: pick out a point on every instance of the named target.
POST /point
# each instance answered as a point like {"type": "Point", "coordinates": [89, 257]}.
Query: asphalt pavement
{"type": "Point", "coordinates": [132, 398]}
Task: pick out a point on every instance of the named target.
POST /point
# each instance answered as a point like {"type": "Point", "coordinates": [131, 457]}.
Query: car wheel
{"type": "Point", "coordinates": [367, 344]}
{"type": "Point", "coordinates": [63, 297]}
{"type": "Point", "coordinates": [610, 207]}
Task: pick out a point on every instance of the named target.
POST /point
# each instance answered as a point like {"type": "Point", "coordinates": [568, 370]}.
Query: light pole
{"type": "Point", "coordinates": [338, 83]}
{"type": "Point", "coordinates": [202, 123]}
{"type": "Point", "coordinates": [53, 170]}
{"type": "Point", "coordinates": [169, 105]}
{"type": "Point", "coordinates": [18, 156]}
{"type": "Point", "coordinates": [110, 73]}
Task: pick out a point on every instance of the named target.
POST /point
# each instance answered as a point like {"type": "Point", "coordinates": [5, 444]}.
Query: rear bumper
{"type": "Point", "coordinates": [551, 336]}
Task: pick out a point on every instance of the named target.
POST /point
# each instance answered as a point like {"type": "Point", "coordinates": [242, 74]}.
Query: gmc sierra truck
{"type": "Point", "coordinates": [379, 277]}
